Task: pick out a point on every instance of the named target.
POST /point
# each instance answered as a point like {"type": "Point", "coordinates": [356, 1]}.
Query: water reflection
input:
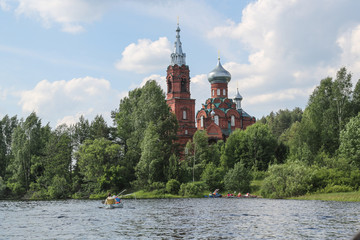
{"type": "Point", "coordinates": [180, 219]}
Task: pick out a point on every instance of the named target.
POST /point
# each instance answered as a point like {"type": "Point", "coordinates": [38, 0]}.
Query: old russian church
{"type": "Point", "coordinates": [219, 115]}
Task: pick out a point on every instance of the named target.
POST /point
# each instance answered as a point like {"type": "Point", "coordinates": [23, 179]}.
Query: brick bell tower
{"type": "Point", "coordinates": [178, 93]}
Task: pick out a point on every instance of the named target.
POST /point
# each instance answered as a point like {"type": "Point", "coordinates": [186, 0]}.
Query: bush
{"type": "Point", "coordinates": [2, 187]}
{"type": "Point", "coordinates": [325, 177]}
{"type": "Point", "coordinates": [156, 186]}
{"type": "Point", "coordinates": [58, 188]}
{"type": "Point", "coordinates": [192, 188]}
{"type": "Point", "coordinates": [286, 180]}
{"type": "Point", "coordinates": [337, 188]}
{"type": "Point", "coordinates": [258, 175]}
{"type": "Point", "coordinates": [173, 186]}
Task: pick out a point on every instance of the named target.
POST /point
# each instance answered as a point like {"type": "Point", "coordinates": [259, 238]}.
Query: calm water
{"type": "Point", "coordinates": [180, 219]}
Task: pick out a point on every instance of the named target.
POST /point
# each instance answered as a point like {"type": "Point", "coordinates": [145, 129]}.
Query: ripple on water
{"type": "Point", "coordinates": [180, 219]}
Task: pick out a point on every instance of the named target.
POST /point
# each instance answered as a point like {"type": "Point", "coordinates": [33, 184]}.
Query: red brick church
{"type": "Point", "coordinates": [219, 115]}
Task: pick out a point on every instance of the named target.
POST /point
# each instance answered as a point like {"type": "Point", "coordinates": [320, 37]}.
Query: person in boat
{"type": "Point", "coordinates": [109, 200]}
{"type": "Point", "coordinates": [239, 194]}
{"type": "Point", "coordinates": [216, 193]}
{"type": "Point", "coordinates": [117, 200]}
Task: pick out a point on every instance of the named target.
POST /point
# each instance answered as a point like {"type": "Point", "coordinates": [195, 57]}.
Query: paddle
{"type": "Point", "coordinates": [121, 192]}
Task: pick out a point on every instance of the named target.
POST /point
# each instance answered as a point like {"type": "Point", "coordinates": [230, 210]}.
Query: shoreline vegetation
{"type": "Point", "coordinates": [338, 197]}
{"type": "Point", "coordinates": [285, 154]}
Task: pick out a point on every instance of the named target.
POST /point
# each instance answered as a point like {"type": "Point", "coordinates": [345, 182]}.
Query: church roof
{"type": "Point", "coordinates": [238, 96]}
{"type": "Point", "coordinates": [178, 57]}
{"type": "Point", "coordinates": [219, 74]}
{"type": "Point", "coordinates": [225, 110]}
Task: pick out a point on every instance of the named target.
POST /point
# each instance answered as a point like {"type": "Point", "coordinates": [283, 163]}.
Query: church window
{"type": "Point", "coordinates": [186, 132]}
{"type": "Point", "coordinates": [184, 114]}
{"type": "Point", "coordinates": [213, 92]}
{"type": "Point", "coordinates": [216, 119]}
{"type": "Point", "coordinates": [202, 121]}
{"type": "Point", "coordinates": [232, 120]}
{"type": "Point", "coordinates": [218, 92]}
{"type": "Point", "coordinates": [183, 85]}
{"type": "Point", "coordinates": [169, 85]}
{"type": "Point", "coordinates": [224, 92]}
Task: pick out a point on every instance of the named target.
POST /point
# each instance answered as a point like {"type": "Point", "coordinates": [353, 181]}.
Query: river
{"type": "Point", "coordinates": [180, 219]}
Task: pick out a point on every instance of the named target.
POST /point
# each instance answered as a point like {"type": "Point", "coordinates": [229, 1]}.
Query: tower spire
{"type": "Point", "coordinates": [178, 57]}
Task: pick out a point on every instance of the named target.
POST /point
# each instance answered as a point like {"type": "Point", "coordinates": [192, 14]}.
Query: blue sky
{"type": "Point", "coordinates": [67, 58]}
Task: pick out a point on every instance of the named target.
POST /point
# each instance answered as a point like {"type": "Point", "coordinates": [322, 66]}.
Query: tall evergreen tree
{"type": "Point", "coordinates": [99, 128]}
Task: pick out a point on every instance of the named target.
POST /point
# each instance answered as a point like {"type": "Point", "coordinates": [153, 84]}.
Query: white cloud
{"type": "Point", "coordinates": [282, 95]}
{"type": "Point", "coordinates": [4, 5]}
{"type": "Point", "coordinates": [349, 43]}
{"type": "Point", "coordinates": [71, 15]}
{"type": "Point", "coordinates": [161, 80]}
{"type": "Point", "coordinates": [200, 80]}
{"type": "Point", "coordinates": [86, 96]}
{"type": "Point", "coordinates": [73, 119]}
{"type": "Point", "coordinates": [290, 46]}
{"type": "Point", "coordinates": [145, 56]}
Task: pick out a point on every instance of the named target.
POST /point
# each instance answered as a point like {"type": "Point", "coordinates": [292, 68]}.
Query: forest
{"type": "Point", "coordinates": [290, 152]}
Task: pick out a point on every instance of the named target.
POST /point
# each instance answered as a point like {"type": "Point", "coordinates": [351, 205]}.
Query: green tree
{"type": "Point", "coordinates": [236, 148]}
{"type": "Point", "coordinates": [262, 146]}
{"type": "Point", "coordinates": [197, 154]}
{"type": "Point", "coordinates": [81, 132]}
{"type": "Point", "coordinates": [52, 171]}
{"type": "Point", "coordinates": [99, 128]}
{"type": "Point", "coordinates": [350, 141]}
{"type": "Point", "coordinates": [27, 146]}
{"type": "Point", "coordinates": [342, 96]}
{"type": "Point", "coordinates": [142, 106]}
{"type": "Point", "coordinates": [7, 126]}
{"type": "Point", "coordinates": [174, 168]}
{"type": "Point", "coordinates": [327, 112]}
{"type": "Point", "coordinates": [255, 148]}
{"type": "Point", "coordinates": [282, 120]}
{"type": "Point", "coordinates": [238, 178]}
{"type": "Point", "coordinates": [101, 163]}
{"type": "Point", "coordinates": [355, 104]}
{"type": "Point", "coordinates": [3, 159]}
{"type": "Point", "coordinates": [150, 168]}
{"type": "Point", "coordinates": [2, 187]}
{"type": "Point", "coordinates": [213, 176]}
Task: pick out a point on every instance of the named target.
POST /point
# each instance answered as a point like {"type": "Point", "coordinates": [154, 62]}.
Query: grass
{"type": "Point", "coordinates": [340, 196]}
{"type": "Point", "coordinates": [147, 195]}
{"type": "Point", "coordinates": [255, 186]}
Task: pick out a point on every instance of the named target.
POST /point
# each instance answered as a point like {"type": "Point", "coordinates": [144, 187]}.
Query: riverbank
{"type": "Point", "coordinates": [340, 197]}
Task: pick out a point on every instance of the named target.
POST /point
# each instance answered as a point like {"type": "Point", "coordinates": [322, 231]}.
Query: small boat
{"type": "Point", "coordinates": [116, 205]}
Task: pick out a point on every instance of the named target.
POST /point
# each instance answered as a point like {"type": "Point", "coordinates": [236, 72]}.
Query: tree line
{"type": "Point", "coordinates": [291, 152]}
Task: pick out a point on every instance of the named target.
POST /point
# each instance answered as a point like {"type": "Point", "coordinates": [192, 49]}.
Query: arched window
{"type": "Point", "coordinates": [202, 121]}
{"type": "Point", "coordinates": [224, 92]}
{"type": "Point", "coordinates": [218, 92]}
{"type": "Point", "coordinates": [184, 114]}
{"type": "Point", "coordinates": [169, 85]}
{"type": "Point", "coordinates": [216, 119]}
{"type": "Point", "coordinates": [213, 92]}
{"type": "Point", "coordinates": [183, 85]}
{"type": "Point", "coordinates": [232, 120]}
